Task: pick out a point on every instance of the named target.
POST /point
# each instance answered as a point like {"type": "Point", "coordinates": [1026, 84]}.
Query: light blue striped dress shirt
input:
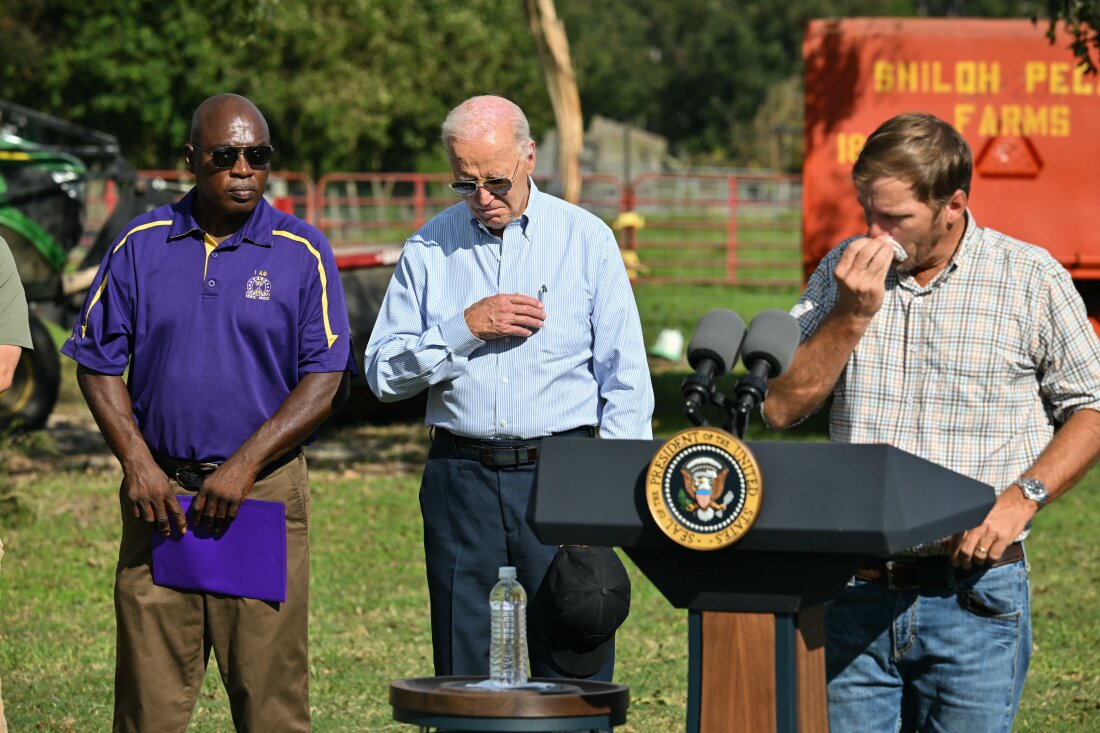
{"type": "Point", "coordinates": [585, 366]}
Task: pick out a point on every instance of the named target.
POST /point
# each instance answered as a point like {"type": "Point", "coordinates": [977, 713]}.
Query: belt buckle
{"type": "Point", "coordinates": [521, 455]}
{"type": "Point", "coordinates": [192, 478]}
{"type": "Point", "coordinates": [488, 456]}
{"type": "Point", "coordinates": [891, 583]}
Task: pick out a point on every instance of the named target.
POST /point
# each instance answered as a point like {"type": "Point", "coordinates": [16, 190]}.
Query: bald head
{"type": "Point", "coordinates": [487, 119]}
{"type": "Point", "coordinates": [229, 182]}
{"type": "Point", "coordinates": [215, 111]}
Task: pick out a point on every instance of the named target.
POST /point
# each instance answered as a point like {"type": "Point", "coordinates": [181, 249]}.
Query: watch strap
{"type": "Point", "coordinates": [1034, 489]}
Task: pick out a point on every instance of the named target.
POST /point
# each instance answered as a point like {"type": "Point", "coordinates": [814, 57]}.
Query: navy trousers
{"type": "Point", "coordinates": [475, 521]}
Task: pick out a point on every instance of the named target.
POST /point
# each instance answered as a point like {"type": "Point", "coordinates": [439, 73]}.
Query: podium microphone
{"type": "Point", "coordinates": [712, 353]}
{"type": "Point", "coordinates": [769, 346]}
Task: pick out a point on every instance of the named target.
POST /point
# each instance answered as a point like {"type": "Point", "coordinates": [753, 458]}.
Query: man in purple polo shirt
{"type": "Point", "coordinates": [230, 317]}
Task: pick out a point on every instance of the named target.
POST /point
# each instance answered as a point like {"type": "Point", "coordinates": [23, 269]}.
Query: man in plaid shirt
{"type": "Point", "coordinates": [970, 349]}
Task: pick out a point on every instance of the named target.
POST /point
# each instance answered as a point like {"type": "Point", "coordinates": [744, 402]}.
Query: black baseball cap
{"type": "Point", "coordinates": [591, 598]}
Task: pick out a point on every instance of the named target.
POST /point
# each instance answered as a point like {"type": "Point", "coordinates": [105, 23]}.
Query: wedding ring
{"type": "Point", "coordinates": [983, 550]}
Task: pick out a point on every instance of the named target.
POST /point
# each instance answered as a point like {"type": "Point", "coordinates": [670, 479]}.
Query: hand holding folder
{"type": "Point", "coordinates": [246, 558]}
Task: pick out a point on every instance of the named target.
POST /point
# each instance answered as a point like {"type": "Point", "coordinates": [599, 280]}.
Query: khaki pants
{"type": "Point", "coordinates": [165, 636]}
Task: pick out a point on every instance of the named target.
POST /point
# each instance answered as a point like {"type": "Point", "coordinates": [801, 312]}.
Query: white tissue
{"type": "Point", "coordinates": [899, 251]}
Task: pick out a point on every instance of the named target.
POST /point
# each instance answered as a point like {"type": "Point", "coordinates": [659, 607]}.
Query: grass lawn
{"type": "Point", "coordinates": [369, 621]}
{"type": "Point", "coordinates": [681, 307]}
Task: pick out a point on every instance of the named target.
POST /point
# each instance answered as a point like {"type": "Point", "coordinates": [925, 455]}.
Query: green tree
{"type": "Point", "coordinates": [1080, 19]}
{"type": "Point", "coordinates": [345, 85]}
{"type": "Point", "coordinates": [364, 84]}
{"type": "Point", "coordinates": [702, 72]}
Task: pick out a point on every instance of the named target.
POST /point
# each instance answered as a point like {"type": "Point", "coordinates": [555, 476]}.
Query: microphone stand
{"type": "Point", "coordinates": [701, 385]}
{"type": "Point", "coordinates": [731, 424]}
{"type": "Point", "coordinates": [751, 390]}
{"type": "Point", "coordinates": [738, 409]}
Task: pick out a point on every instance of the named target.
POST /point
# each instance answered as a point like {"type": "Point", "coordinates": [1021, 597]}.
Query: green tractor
{"type": "Point", "coordinates": [46, 166]}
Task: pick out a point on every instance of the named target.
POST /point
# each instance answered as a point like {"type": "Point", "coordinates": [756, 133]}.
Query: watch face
{"type": "Point", "coordinates": [1034, 489]}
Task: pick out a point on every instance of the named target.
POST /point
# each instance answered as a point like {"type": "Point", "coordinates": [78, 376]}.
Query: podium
{"type": "Point", "coordinates": [756, 616]}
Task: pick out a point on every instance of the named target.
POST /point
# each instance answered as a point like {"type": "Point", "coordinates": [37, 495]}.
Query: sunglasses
{"type": "Point", "coordinates": [495, 186]}
{"type": "Point", "coordinates": [257, 156]}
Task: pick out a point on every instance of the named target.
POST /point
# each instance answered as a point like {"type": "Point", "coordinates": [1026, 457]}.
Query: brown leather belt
{"type": "Point", "coordinates": [190, 474]}
{"type": "Point", "coordinates": [915, 573]}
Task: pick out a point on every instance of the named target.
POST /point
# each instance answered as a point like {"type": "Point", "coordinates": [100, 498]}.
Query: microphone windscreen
{"type": "Point", "coordinates": [718, 337]}
{"type": "Point", "coordinates": [773, 336]}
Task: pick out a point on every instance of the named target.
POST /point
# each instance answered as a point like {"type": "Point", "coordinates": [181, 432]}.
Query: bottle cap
{"type": "Point", "coordinates": [507, 573]}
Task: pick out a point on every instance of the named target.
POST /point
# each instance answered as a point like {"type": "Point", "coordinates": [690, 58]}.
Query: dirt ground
{"type": "Point", "coordinates": [348, 446]}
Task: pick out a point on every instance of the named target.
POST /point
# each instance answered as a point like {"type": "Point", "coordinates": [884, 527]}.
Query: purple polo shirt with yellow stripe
{"type": "Point", "coordinates": [215, 339]}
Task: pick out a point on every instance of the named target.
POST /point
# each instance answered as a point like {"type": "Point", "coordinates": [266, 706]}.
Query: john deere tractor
{"type": "Point", "coordinates": [46, 164]}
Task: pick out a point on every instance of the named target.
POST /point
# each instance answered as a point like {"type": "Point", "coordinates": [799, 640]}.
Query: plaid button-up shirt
{"type": "Point", "coordinates": [973, 371]}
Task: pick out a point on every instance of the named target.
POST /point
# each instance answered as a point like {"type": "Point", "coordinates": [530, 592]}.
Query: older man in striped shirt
{"type": "Point", "coordinates": [972, 351]}
{"type": "Point", "coordinates": [513, 309]}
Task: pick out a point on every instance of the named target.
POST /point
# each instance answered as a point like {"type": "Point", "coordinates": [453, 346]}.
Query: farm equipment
{"type": "Point", "coordinates": [46, 165]}
{"type": "Point", "coordinates": [52, 172]}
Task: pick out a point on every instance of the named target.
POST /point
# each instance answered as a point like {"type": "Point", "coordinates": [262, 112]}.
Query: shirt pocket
{"type": "Point", "coordinates": [567, 331]}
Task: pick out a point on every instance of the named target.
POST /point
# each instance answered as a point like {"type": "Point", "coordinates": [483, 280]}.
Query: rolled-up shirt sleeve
{"type": "Point", "coordinates": [1068, 358]}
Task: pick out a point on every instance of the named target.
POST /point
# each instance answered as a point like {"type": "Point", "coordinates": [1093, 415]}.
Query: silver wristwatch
{"type": "Point", "coordinates": [1034, 489]}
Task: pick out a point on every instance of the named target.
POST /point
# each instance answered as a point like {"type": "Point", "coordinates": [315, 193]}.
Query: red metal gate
{"type": "Point", "coordinates": [714, 229]}
{"type": "Point", "coordinates": [732, 229]}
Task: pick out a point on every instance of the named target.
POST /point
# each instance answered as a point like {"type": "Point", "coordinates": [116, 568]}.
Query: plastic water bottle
{"type": "Point", "coordinates": [508, 637]}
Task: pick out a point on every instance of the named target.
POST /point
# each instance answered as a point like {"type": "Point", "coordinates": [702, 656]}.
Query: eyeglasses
{"type": "Point", "coordinates": [495, 186]}
{"type": "Point", "coordinates": [257, 156]}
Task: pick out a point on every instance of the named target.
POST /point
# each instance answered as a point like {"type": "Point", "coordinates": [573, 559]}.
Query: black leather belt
{"type": "Point", "coordinates": [190, 474]}
{"type": "Point", "coordinates": [915, 573]}
{"type": "Point", "coordinates": [498, 453]}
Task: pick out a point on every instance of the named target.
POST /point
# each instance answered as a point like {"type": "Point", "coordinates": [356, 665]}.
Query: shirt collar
{"type": "Point", "coordinates": [962, 253]}
{"type": "Point", "coordinates": [967, 245]}
{"type": "Point", "coordinates": [256, 230]}
{"type": "Point", "coordinates": [524, 220]}
{"type": "Point", "coordinates": [534, 207]}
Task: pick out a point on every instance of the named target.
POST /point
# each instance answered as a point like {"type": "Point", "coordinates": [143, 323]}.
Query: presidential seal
{"type": "Point", "coordinates": [704, 488]}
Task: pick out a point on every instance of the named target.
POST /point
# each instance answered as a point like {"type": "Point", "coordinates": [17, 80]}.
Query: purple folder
{"type": "Point", "coordinates": [247, 559]}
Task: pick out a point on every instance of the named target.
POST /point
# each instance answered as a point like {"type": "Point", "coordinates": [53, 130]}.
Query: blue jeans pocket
{"type": "Point", "coordinates": [998, 593]}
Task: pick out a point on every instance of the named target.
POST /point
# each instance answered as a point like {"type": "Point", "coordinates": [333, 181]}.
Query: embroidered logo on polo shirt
{"type": "Point", "coordinates": [258, 286]}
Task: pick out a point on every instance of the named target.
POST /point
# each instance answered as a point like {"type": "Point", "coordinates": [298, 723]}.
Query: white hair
{"type": "Point", "coordinates": [481, 117]}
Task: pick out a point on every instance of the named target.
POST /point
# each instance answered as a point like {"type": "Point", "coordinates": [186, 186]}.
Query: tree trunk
{"type": "Point", "coordinates": [553, 49]}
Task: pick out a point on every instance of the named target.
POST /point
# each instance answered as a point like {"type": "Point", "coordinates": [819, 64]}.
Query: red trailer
{"type": "Point", "coordinates": [1030, 114]}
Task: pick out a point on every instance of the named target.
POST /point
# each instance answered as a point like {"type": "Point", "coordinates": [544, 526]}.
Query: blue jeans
{"type": "Point", "coordinates": [948, 659]}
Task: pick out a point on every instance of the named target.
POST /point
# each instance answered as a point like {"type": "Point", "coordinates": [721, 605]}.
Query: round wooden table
{"type": "Point", "coordinates": [449, 703]}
